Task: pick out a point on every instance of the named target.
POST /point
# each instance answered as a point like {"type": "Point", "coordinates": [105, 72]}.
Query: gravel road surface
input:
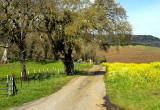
{"type": "Point", "coordinates": [81, 93]}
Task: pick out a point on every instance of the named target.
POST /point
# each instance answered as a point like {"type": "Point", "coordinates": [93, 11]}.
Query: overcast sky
{"type": "Point", "coordinates": [144, 15]}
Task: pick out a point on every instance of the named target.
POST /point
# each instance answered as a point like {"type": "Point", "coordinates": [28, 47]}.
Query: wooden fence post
{"type": "Point", "coordinates": [53, 71]}
{"type": "Point", "coordinates": [28, 78]}
{"type": "Point", "coordinates": [21, 79]}
{"type": "Point", "coordinates": [39, 74]}
{"type": "Point", "coordinates": [47, 73]}
{"type": "Point", "coordinates": [13, 84]}
{"type": "Point", "coordinates": [7, 87]}
{"type": "Point", "coordinates": [10, 85]}
{"type": "Point", "coordinates": [43, 75]}
{"type": "Point", "coordinates": [34, 76]}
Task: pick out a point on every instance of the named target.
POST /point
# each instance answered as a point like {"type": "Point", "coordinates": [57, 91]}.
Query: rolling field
{"type": "Point", "coordinates": [131, 54]}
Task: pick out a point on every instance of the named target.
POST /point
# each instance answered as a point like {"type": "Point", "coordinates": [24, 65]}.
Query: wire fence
{"type": "Point", "coordinates": [40, 75]}
{"type": "Point", "coordinates": [6, 86]}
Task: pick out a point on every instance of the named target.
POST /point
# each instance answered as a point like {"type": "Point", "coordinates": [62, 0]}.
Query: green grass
{"type": "Point", "coordinates": [42, 87]}
{"type": "Point", "coordinates": [14, 67]}
{"type": "Point", "coordinates": [128, 98]}
{"type": "Point", "coordinates": [133, 86]}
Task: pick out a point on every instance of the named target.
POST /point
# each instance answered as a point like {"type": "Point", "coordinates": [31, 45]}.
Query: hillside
{"type": "Point", "coordinates": [131, 54]}
{"type": "Point", "coordinates": [146, 40]}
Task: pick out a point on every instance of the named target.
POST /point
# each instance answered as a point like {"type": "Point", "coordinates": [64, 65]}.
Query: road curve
{"type": "Point", "coordinates": [81, 93]}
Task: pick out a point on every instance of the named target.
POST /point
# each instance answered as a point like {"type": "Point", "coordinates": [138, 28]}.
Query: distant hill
{"type": "Point", "coordinates": [146, 40]}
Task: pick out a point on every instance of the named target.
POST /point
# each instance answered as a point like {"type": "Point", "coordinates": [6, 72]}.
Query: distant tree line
{"type": "Point", "coordinates": [58, 29]}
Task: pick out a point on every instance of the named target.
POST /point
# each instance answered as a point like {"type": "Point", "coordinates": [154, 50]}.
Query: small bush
{"type": "Point", "coordinates": [100, 59]}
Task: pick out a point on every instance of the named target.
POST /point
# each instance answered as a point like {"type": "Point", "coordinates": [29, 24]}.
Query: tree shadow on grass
{"type": "Point", "coordinates": [11, 60]}
{"type": "Point", "coordinates": [43, 62]}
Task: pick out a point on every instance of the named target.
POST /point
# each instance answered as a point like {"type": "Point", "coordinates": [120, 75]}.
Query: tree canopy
{"type": "Point", "coordinates": [65, 23]}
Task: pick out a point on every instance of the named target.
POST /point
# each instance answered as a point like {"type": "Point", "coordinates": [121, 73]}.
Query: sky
{"type": "Point", "coordinates": [144, 16]}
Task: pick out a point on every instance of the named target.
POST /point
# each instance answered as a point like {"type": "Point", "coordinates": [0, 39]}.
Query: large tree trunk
{"type": "Point", "coordinates": [22, 62]}
{"type": "Point", "coordinates": [5, 55]}
{"type": "Point", "coordinates": [23, 69]}
{"type": "Point", "coordinates": [68, 62]}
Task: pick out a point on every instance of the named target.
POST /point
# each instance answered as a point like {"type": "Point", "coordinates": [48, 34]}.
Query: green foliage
{"type": "Point", "coordinates": [100, 59]}
{"type": "Point", "coordinates": [89, 51]}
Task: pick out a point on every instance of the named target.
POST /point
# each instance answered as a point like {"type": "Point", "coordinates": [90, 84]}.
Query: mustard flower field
{"type": "Point", "coordinates": [133, 86]}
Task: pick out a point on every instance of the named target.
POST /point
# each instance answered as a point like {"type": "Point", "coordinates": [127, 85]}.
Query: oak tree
{"type": "Point", "coordinates": [68, 22]}
{"type": "Point", "coordinates": [16, 23]}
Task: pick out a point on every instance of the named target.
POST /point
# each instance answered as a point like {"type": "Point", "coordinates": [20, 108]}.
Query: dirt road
{"type": "Point", "coordinates": [82, 93]}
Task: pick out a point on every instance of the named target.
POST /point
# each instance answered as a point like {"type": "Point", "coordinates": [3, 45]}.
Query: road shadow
{"type": "Point", "coordinates": [94, 73]}
{"type": "Point", "coordinates": [86, 73]}
{"type": "Point", "coordinates": [109, 105]}
{"type": "Point", "coordinates": [76, 72]}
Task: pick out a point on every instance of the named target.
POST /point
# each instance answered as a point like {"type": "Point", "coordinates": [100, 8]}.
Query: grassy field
{"type": "Point", "coordinates": [43, 87]}
{"type": "Point", "coordinates": [131, 54]}
{"type": "Point", "coordinates": [133, 86]}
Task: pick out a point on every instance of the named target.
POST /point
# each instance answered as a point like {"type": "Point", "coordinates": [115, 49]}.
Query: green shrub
{"type": "Point", "coordinates": [100, 59]}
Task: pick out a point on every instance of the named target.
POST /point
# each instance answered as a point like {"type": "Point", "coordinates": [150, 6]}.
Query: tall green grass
{"type": "Point", "coordinates": [43, 87]}
{"type": "Point", "coordinates": [133, 86]}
